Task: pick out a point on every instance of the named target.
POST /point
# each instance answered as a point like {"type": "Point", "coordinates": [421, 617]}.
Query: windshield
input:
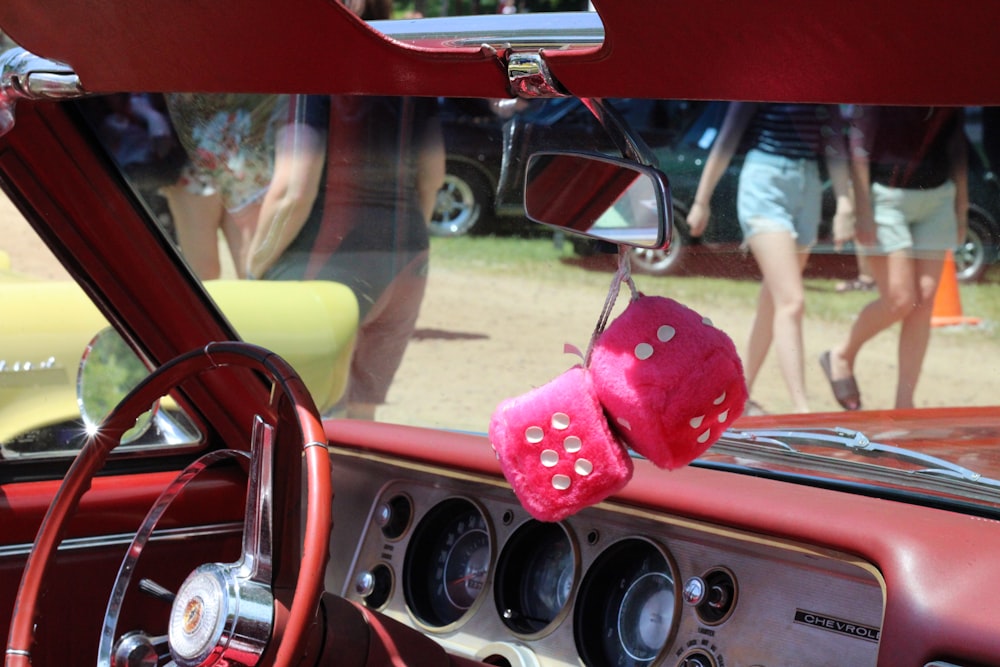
{"type": "Point", "coordinates": [381, 245]}
{"type": "Point", "coordinates": [426, 200]}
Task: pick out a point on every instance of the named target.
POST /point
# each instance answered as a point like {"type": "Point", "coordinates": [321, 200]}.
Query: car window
{"type": "Point", "coordinates": [49, 326]}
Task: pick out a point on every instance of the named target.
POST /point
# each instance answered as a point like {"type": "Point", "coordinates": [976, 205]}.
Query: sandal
{"type": "Point", "coordinates": [753, 409]}
{"type": "Point", "coordinates": [845, 390]}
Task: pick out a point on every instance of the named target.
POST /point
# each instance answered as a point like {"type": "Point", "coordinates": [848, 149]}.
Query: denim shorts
{"type": "Point", "coordinates": [777, 193]}
{"type": "Point", "coordinates": [912, 219]}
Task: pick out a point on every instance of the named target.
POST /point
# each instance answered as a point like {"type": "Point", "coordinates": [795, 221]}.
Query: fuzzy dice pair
{"type": "Point", "coordinates": [661, 380]}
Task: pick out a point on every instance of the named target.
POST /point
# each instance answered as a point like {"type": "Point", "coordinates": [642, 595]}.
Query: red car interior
{"type": "Point", "coordinates": [925, 575]}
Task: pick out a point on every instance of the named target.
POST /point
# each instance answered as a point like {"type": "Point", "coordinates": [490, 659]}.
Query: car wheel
{"type": "Point", "coordinates": [463, 203]}
{"type": "Point", "coordinates": [973, 257]}
{"type": "Point", "coordinates": [659, 262]}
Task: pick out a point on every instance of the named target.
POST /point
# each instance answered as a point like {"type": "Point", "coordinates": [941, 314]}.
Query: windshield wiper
{"type": "Point", "coordinates": [855, 442]}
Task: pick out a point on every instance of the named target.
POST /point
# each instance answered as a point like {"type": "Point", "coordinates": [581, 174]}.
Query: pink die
{"type": "Point", "coordinates": [556, 449]}
{"type": "Point", "coordinates": [670, 382]}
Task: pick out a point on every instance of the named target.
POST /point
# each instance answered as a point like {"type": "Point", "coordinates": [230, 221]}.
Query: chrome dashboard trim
{"type": "Point", "coordinates": [124, 539]}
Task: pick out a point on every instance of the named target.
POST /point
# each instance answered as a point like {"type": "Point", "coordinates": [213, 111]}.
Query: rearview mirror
{"type": "Point", "coordinates": [606, 198]}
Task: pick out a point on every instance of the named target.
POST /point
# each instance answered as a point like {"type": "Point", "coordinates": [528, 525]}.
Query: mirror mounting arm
{"type": "Point", "coordinates": [23, 75]}
{"type": "Point", "coordinates": [630, 144]}
{"type": "Point", "coordinates": [529, 78]}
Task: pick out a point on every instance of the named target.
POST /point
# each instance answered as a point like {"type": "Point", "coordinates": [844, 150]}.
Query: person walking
{"type": "Point", "coordinates": [909, 166]}
{"type": "Point", "coordinates": [779, 208]}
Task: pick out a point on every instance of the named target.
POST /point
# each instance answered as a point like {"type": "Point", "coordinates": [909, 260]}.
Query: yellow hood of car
{"type": "Point", "coordinates": [47, 325]}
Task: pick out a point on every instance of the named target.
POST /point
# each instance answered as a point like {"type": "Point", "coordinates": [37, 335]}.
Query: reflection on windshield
{"type": "Point", "coordinates": [342, 189]}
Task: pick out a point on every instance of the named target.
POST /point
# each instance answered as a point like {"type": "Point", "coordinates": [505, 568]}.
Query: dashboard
{"type": "Point", "coordinates": [455, 555]}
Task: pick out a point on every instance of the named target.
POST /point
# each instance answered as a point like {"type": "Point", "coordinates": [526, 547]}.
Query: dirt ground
{"type": "Point", "coordinates": [518, 346]}
{"type": "Point", "coordinates": [513, 330]}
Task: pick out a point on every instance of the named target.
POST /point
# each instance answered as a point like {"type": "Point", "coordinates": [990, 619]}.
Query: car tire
{"type": "Point", "coordinates": [582, 246]}
{"type": "Point", "coordinates": [660, 262]}
{"type": "Point", "coordinates": [464, 203]}
{"type": "Point", "coordinates": [973, 257]}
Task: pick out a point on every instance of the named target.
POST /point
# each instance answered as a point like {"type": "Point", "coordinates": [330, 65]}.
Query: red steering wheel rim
{"type": "Point", "coordinates": [292, 628]}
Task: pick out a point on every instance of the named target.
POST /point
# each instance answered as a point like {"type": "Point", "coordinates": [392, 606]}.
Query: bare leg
{"type": "Point", "coordinates": [781, 265]}
{"type": "Point", "coordinates": [915, 332]}
{"type": "Point", "coordinates": [761, 334]}
{"type": "Point", "coordinates": [238, 228]}
{"type": "Point", "coordinates": [196, 219]}
{"type": "Point", "coordinates": [896, 279]}
{"type": "Point", "coordinates": [864, 267]}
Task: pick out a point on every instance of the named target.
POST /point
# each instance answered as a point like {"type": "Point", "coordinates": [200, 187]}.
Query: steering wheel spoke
{"type": "Point", "coordinates": [258, 530]}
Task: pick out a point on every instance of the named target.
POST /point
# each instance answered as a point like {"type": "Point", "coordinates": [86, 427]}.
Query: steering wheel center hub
{"type": "Point", "coordinates": [198, 618]}
{"type": "Point", "coordinates": [220, 612]}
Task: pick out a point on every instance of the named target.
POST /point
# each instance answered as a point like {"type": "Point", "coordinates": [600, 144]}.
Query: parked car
{"type": "Point", "coordinates": [482, 191]}
{"type": "Point", "coordinates": [252, 530]}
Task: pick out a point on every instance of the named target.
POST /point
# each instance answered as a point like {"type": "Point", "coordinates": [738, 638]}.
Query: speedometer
{"type": "Point", "coordinates": [447, 563]}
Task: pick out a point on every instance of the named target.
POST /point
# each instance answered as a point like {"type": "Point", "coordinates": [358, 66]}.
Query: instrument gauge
{"type": "Point", "coordinates": [626, 611]}
{"type": "Point", "coordinates": [535, 576]}
{"type": "Point", "coordinates": [447, 564]}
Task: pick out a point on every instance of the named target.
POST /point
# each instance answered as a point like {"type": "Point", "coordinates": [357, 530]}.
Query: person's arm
{"type": "Point", "coordinates": [430, 168]}
{"type": "Point", "coordinates": [300, 154]}
{"type": "Point", "coordinates": [843, 216]}
{"type": "Point", "coordinates": [860, 143]}
{"type": "Point", "coordinates": [958, 153]}
{"type": "Point", "coordinates": [737, 118]}
{"type": "Point", "coordinates": [835, 150]}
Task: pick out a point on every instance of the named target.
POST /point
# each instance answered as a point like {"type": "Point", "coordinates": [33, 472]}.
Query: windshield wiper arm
{"type": "Point", "coordinates": [857, 442]}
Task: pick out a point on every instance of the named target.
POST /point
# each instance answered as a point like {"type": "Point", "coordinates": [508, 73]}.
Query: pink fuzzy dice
{"type": "Point", "coordinates": [669, 381]}
{"type": "Point", "coordinates": [556, 449]}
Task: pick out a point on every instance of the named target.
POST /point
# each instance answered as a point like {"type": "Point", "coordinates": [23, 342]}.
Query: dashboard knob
{"type": "Point", "coordinates": [364, 583]}
{"type": "Point", "coordinates": [694, 591]}
{"type": "Point", "coordinates": [383, 514]}
{"type": "Point", "coordinates": [393, 516]}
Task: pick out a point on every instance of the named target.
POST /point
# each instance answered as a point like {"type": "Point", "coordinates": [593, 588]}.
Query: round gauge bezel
{"type": "Point", "coordinates": [706, 614]}
{"type": "Point", "coordinates": [602, 595]}
{"type": "Point", "coordinates": [523, 550]}
{"type": "Point", "coordinates": [400, 518]}
{"type": "Point", "coordinates": [385, 593]}
{"type": "Point", "coordinates": [427, 558]}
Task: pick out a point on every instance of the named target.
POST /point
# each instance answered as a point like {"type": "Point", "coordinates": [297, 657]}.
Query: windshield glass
{"type": "Point", "coordinates": [424, 197]}
{"type": "Point", "coordinates": [380, 244]}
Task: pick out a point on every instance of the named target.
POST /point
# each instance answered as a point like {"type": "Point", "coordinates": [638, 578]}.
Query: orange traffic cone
{"type": "Point", "coordinates": [947, 302]}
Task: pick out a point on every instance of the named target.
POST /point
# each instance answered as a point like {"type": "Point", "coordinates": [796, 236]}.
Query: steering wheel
{"type": "Point", "coordinates": [257, 610]}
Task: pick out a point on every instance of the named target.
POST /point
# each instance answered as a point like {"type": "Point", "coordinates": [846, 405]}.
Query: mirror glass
{"type": "Point", "coordinates": [109, 370]}
{"type": "Point", "coordinates": [606, 198]}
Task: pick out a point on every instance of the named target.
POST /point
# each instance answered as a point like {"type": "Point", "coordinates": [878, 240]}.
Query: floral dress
{"type": "Point", "coordinates": [230, 142]}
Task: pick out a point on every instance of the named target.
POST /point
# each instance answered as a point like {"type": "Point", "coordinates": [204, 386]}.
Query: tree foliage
{"type": "Point", "coordinates": [468, 7]}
